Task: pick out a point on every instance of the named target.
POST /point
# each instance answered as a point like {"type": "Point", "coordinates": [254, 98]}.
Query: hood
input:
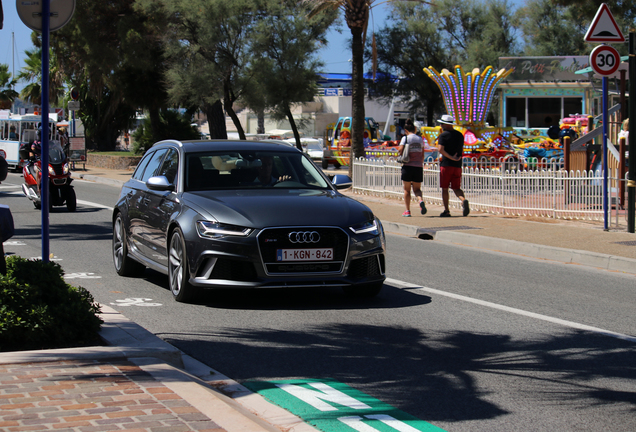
{"type": "Point", "coordinates": [279, 207]}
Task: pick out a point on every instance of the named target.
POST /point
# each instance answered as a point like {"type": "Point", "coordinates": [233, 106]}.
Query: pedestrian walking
{"type": "Point", "coordinates": [451, 147]}
{"type": "Point", "coordinates": [412, 170]}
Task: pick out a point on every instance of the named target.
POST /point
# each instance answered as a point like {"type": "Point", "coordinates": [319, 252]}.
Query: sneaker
{"type": "Point", "coordinates": [406, 214]}
{"type": "Point", "coordinates": [422, 207]}
{"type": "Point", "coordinates": [466, 207]}
{"type": "Point", "coordinates": [446, 213]}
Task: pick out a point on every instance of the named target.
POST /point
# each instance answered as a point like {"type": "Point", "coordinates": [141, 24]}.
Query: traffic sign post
{"type": "Point", "coordinates": [604, 60]}
{"type": "Point", "coordinates": [38, 16]}
{"type": "Point", "coordinates": [604, 28]}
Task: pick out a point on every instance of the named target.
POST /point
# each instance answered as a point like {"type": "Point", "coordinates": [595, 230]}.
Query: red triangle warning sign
{"type": "Point", "coordinates": [604, 27]}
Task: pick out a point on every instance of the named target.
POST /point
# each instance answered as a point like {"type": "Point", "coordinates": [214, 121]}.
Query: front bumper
{"type": "Point", "coordinates": [251, 262]}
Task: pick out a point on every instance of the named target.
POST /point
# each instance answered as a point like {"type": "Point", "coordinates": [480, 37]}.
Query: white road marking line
{"type": "Point", "coordinates": [571, 324]}
{"type": "Point", "coordinates": [82, 275]}
{"type": "Point", "coordinates": [92, 204]}
{"type": "Point", "coordinates": [86, 203]}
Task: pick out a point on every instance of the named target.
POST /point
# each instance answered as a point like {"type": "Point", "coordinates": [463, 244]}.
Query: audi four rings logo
{"type": "Point", "coordinates": [304, 237]}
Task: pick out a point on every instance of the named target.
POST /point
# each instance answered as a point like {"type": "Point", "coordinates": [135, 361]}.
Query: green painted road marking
{"type": "Point", "coordinates": [335, 407]}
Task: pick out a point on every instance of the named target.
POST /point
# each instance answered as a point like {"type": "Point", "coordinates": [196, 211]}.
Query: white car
{"type": "Point", "coordinates": [311, 146]}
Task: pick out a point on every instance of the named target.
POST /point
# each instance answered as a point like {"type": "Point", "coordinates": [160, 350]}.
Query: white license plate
{"type": "Point", "coordinates": [309, 254]}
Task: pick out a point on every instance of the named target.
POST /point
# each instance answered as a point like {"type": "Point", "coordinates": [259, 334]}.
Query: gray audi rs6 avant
{"type": "Point", "coordinates": [243, 214]}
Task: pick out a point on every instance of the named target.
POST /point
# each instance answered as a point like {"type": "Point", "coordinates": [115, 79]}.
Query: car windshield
{"type": "Point", "coordinates": [251, 169]}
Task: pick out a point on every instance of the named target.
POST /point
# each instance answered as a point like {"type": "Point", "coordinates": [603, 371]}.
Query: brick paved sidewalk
{"type": "Point", "coordinates": [92, 396]}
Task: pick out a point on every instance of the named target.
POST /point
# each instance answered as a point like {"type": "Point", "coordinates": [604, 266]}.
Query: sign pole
{"type": "Point", "coordinates": [44, 182]}
{"type": "Point", "coordinates": [631, 175]}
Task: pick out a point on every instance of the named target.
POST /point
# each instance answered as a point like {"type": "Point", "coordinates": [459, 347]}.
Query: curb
{"type": "Point", "coordinates": [225, 401]}
{"type": "Point", "coordinates": [98, 179]}
{"type": "Point", "coordinates": [568, 256]}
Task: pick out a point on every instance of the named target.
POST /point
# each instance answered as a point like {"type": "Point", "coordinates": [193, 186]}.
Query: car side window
{"type": "Point", "coordinates": [153, 164]}
{"type": "Point", "coordinates": [141, 166]}
{"type": "Point", "coordinates": [170, 166]}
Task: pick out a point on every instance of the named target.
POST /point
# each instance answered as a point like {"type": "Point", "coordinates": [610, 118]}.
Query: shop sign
{"type": "Point", "coordinates": [544, 68]}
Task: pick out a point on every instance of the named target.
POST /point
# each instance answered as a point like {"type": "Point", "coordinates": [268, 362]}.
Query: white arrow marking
{"type": "Point", "coordinates": [135, 302]}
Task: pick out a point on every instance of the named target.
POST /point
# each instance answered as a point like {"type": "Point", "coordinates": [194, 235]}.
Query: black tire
{"type": "Point", "coordinates": [364, 291]}
{"type": "Point", "coordinates": [124, 265]}
{"type": "Point", "coordinates": [325, 163]}
{"type": "Point", "coordinates": [71, 200]}
{"type": "Point", "coordinates": [178, 271]}
{"type": "Point", "coordinates": [336, 165]}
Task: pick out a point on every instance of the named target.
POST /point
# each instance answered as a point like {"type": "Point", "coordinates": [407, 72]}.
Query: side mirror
{"type": "Point", "coordinates": [159, 183]}
{"type": "Point", "coordinates": [341, 181]}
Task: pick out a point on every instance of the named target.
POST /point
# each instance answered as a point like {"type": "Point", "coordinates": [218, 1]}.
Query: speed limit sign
{"type": "Point", "coordinates": [605, 60]}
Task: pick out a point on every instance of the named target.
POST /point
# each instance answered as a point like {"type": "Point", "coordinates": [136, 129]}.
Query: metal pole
{"type": "Point", "coordinates": [605, 129]}
{"type": "Point", "coordinates": [44, 182]}
{"type": "Point", "coordinates": [631, 177]}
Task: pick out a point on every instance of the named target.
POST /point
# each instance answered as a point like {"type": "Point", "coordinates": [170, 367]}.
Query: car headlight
{"type": "Point", "coordinates": [368, 227]}
{"type": "Point", "coordinates": [214, 229]}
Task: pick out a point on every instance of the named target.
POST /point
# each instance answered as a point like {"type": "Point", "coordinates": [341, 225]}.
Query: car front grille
{"type": "Point", "coordinates": [270, 241]}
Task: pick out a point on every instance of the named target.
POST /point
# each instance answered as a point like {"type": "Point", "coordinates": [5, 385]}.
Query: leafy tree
{"type": "Point", "coordinates": [553, 30]}
{"type": "Point", "coordinates": [284, 65]}
{"type": "Point", "coordinates": [207, 49]}
{"type": "Point", "coordinates": [407, 45]}
{"type": "Point", "coordinates": [443, 35]}
{"type": "Point", "coordinates": [172, 125]}
{"type": "Point", "coordinates": [112, 53]}
{"type": "Point", "coordinates": [7, 94]}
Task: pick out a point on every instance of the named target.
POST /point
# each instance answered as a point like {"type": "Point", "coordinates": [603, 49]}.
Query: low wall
{"type": "Point", "coordinates": [112, 162]}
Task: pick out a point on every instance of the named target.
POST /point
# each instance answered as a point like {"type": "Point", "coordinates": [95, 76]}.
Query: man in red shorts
{"type": "Point", "coordinates": [451, 147]}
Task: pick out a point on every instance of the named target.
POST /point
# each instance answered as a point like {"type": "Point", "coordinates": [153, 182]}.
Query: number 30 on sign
{"type": "Point", "coordinates": [605, 60]}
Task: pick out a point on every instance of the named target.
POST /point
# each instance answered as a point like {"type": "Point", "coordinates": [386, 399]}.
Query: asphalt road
{"type": "Point", "coordinates": [465, 339]}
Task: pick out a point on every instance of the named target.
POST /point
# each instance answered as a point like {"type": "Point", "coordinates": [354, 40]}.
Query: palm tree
{"type": "Point", "coordinates": [356, 14]}
{"type": "Point", "coordinates": [32, 74]}
{"type": "Point", "coordinates": [7, 94]}
{"type": "Point", "coordinates": [357, 18]}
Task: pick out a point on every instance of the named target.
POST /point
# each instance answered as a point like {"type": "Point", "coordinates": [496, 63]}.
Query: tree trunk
{"type": "Point", "coordinates": [216, 120]}
{"type": "Point", "coordinates": [357, 98]}
{"type": "Point", "coordinates": [261, 122]}
{"type": "Point", "coordinates": [155, 124]}
{"type": "Point", "coordinates": [228, 104]}
{"type": "Point", "coordinates": [292, 123]}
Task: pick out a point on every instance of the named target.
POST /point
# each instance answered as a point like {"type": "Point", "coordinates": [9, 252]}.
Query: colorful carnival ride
{"type": "Point", "coordinates": [468, 97]}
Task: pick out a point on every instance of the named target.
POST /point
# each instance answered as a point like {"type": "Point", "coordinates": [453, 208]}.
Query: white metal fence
{"type": "Point", "coordinates": [550, 193]}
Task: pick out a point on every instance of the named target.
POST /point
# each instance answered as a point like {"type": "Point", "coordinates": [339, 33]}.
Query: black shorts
{"type": "Point", "coordinates": [412, 174]}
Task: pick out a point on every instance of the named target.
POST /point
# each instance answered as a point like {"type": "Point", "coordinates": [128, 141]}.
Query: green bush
{"type": "Point", "coordinates": [172, 125]}
{"type": "Point", "coordinates": [39, 310]}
